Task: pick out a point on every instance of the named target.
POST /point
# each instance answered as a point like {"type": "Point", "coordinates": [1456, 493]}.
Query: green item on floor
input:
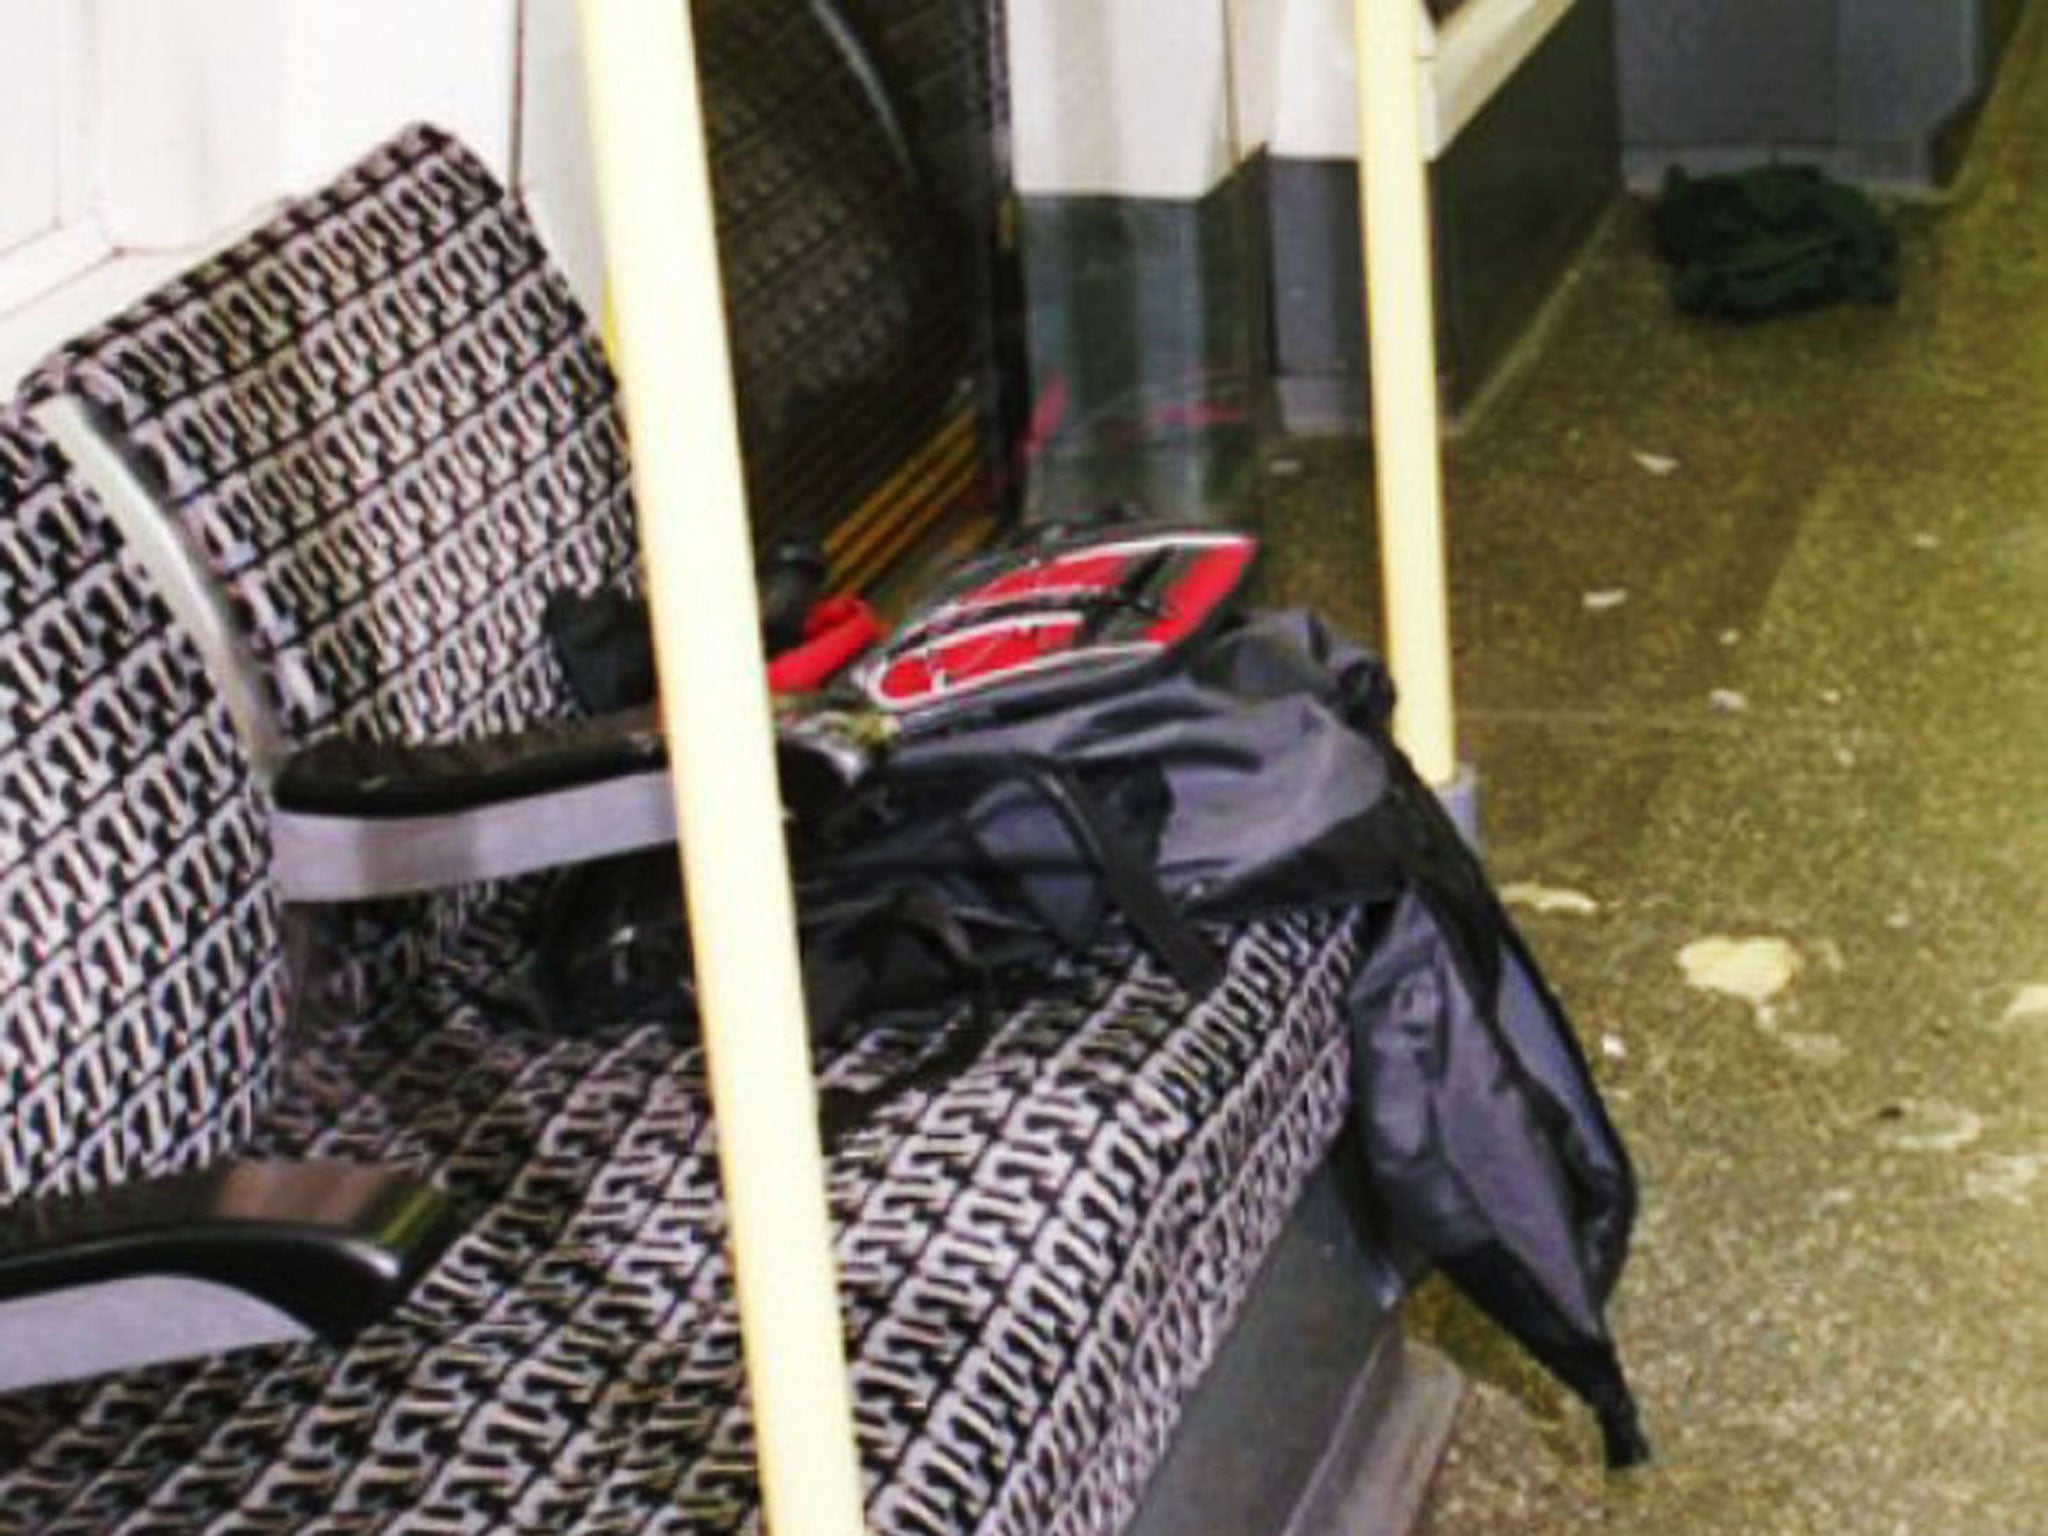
{"type": "Point", "coordinates": [1773, 240]}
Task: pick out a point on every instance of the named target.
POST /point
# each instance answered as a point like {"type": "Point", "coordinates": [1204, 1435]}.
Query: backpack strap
{"type": "Point", "coordinates": [1129, 878]}
{"type": "Point", "coordinates": [1132, 882]}
{"type": "Point", "coordinates": [920, 913]}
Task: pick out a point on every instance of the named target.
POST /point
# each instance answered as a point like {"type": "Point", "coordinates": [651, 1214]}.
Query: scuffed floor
{"type": "Point", "coordinates": [1753, 658]}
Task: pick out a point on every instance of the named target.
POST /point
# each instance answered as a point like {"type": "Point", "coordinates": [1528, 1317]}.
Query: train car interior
{"type": "Point", "coordinates": [1020, 767]}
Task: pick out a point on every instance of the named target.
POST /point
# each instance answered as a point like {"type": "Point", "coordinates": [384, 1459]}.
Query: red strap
{"type": "Point", "coordinates": [1196, 595]}
{"type": "Point", "coordinates": [836, 630]}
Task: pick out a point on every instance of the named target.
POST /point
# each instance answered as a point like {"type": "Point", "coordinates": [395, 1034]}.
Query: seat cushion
{"type": "Point", "coordinates": [1039, 1258]}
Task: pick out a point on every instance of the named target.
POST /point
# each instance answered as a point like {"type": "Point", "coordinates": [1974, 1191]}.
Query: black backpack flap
{"type": "Point", "coordinates": [605, 647]}
{"type": "Point", "coordinates": [614, 944]}
{"type": "Point", "coordinates": [1255, 738]}
{"type": "Point", "coordinates": [1062, 847]}
{"type": "Point", "coordinates": [1293, 653]}
{"type": "Point", "coordinates": [1073, 842]}
{"type": "Point", "coordinates": [1512, 999]}
{"type": "Point", "coordinates": [1460, 1151]}
{"type": "Point", "coordinates": [1238, 783]}
{"type": "Point", "coordinates": [1544, 1046]}
{"type": "Point", "coordinates": [1473, 1158]}
{"type": "Point", "coordinates": [991, 829]}
{"type": "Point", "coordinates": [911, 945]}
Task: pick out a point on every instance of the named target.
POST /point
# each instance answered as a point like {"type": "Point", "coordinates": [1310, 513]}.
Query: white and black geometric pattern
{"type": "Point", "coordinates": [387, 423]}
{"type": "Point", "coordinates": [1039, 1259]}
{"type": "Point", "coordinates": [855, 224]}
{"type": "Point", "coordinates": [140, 1004]}
{"type": "Point", "coordinates": [384, 419]}
{"type": "Point", "coordinates": [382, 416]}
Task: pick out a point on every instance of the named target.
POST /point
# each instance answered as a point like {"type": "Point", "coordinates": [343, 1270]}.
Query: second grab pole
{"type": "Point", "coordinates": [1401, 313]}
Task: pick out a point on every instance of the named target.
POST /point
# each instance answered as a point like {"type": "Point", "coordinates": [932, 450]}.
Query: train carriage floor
{"type": "Point", "coordinates": [1752, 628]}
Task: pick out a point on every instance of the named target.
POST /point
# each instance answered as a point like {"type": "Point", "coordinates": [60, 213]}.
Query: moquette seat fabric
{"type": "Point", "coordinates": [1040, 1254]}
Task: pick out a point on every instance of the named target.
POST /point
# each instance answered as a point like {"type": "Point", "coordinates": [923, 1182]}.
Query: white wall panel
{"type": "Point", "coordinates": [210, 109]}
{"type": "Point", "coordinates": [1316, 116]}
{"type": "Point", "coordinates": [1119, 96]}
{"type": "Point", "coordinates": [554, 149]}
{"type": "Point", "coordinates": [361, 69]}
{"type": "Point", "coordinates": [1255, 27]}
{"type": "Point", "coordinates": [1314, 89]}
{"type": "Point", "coordinates": [30, 68]}
{"type": "Point", "coordinates": [190, 131]}
{"type": "Point", "coordinates": [1137, 97]}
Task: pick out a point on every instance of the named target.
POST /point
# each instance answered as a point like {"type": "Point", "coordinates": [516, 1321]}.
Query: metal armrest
{"type": "Point", "coordinates": [239, 1254]}
{"type": "Point", "coordinates": [354, 820]}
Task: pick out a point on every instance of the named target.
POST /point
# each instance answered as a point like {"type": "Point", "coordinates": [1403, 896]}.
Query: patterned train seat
{"type": "Point", "coordinates": [386, 423]}
{"type": "Point", "coordinates": [384, 419]}
{"type": "Point", "coordinates": [141, 986]}
{"type": "Point", "coordinates": [1040, 1256]}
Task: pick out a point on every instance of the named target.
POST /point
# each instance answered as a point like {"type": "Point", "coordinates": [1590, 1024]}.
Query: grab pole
{"type": "Point", "coordinates": [1401, 306]}
{"type": "Point", "coordinates": [674, 361]}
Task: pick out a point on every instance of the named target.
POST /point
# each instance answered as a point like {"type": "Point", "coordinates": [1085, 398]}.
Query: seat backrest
{"type": "Point", "coordinates": [141, 973]}
{"type": "Point", "coordinates": [388, 425]}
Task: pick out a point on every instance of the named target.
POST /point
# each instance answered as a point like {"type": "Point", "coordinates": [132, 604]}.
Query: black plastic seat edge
{"type": "Point", "coordinates": [333, 1245]}
{"type": "Point", "coordinates": [343, 777]}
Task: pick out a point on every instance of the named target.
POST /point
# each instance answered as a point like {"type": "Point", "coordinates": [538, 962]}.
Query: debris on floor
{"type": "Point", "coordinates": [2002, 1176]}
{"type": "Point", "coordinates": [1815, 1047]}
{"type": "Point", "coordinates": [1726, 701]}
{"type": "Point", "coordinates": [1757, 971]}
{"type": "Point", "coordinates": [2028, 1008]}
{"type": "Point", "coordinates": [1549, 899]}
{"type": "Point", "coordinates": [1772, 240]}
{"type": "Point", "coordinates": [1929, 1125]}
{"type": "Point", "coordinates": [1657, 464]}
{"type": "Point", "coordinates": [1604, 599]}
{"type": "Point", "coordinates": [1837, 1334]}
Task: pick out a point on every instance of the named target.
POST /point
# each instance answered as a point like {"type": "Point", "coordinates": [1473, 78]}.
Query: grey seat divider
{"type": "Point", "coordinates": [349, 858]}
{"type": "Point", "coordinates": [326, 857]}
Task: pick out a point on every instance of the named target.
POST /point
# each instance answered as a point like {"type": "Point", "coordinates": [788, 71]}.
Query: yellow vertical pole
{"type": "Point", "coordinates": [675, 364]}
{"type": "Point", "coordinates": [1401, 307]}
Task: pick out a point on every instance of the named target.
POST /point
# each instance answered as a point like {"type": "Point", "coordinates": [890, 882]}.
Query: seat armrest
{"type": "Point", "coordinates": [355, 821]}
{"type": "Point", "coordinates": [340, 777]}
{"type": "Point", "coordinates": [328, 1246]}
